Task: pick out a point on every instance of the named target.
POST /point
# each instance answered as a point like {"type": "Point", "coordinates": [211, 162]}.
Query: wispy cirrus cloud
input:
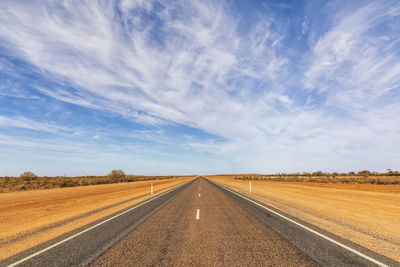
{"type": "Point", "coordinates": [253, 91]}
{"type": "Point", "coordinates": [355, 53]}
{"type": "Point", "coordinates": [22, 122]}
{"type": "Point", "coordinates": [174, 76]}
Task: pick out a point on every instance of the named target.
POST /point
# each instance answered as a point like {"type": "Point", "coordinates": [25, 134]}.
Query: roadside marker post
{"type": "Point", "coordinates": [250, 186]}
{"type": "Point", "coordinates": [309, 229]}
{"type": "Point", "coordinates": [94, 226]}
{"type": "Point", "coordinates": [151, 190]}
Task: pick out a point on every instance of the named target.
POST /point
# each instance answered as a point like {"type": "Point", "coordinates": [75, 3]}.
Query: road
{"type": "Point", "coordinates": [224, 234]}
{"type": "Point", "coordinates": [199, 223]}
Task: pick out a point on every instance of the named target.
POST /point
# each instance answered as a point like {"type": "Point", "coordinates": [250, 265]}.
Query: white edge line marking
{"type": "Point", "coordinates": [313, 231]}
{"type": "Point", "coordinates": [90, 228]}
{"type": "Point", "coordinates": [198, 214]}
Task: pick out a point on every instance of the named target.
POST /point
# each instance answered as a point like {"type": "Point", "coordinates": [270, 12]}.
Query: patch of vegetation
{"type": "Point", "coordinates": [116, 175]}
{"type": "Point", "coordinates": [30, 181]}
{"type": "Point", "coordinates": [361, 177]}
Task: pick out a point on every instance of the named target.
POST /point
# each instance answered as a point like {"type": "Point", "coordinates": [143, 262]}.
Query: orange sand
{"type": "Point", "coordinates": [31, 214]}
{"type": "Point", "coordinates": [366, 214]}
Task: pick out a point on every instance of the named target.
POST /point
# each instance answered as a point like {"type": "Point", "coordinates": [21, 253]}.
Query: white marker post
{"type": "Point", "coordinates": [198, 214]}
{"type": "Point", "coordinates": [151, 188]}
{"type": "Point", "coordinates": [250, 186]}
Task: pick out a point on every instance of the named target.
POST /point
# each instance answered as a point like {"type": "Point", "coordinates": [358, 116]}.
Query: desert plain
{"type": "Point", "coordinates": [366, 214]}
{"type": "Point", "coordinates": [29, 218]}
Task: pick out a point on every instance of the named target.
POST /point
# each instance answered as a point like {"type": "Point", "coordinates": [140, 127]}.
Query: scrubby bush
{"type": "Point", "coordinates": [361, 177]}
{"type": "Point", "coordinates": [116, 175]}
{"type": "Point", "coordinates": [28, 176]}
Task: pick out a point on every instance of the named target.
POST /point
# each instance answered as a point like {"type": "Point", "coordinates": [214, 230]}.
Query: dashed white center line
{"type": "Point", "coordinates": [198, 214]}
{"type": "Point", "coordinates": [199, 195]}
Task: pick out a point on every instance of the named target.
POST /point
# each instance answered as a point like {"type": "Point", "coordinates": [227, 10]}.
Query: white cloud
{"type": "Point", "coordinates": [120, 65]}
{"type": "Point", "coordinates": [305, 25]}
{"type": "Point", "coordinates": [22, 122]}
{"type": "Point", "coordinates": [190, 65]}
{"type": "Point", "coordinates": [355, 66]}
{"type": "Point", "coordinates": [354, 58]}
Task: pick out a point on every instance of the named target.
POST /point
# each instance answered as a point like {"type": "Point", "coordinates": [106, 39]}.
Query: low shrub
{"type": "Point", "coordinates": [362, 177]}
{"type": "Point", "coordinates": [30, 182]}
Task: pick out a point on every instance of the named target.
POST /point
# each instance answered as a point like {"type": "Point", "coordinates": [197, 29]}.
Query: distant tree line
{"type": "Point", "coordinates": [30, 181]}
{"type": "Point", "coordinates": [361, 177]}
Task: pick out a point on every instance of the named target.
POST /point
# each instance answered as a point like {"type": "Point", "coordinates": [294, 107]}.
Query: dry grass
{"type": "Point", "coordinates": [11, 184]}
{"type": "Point", "coordinates": [29, 218]}
{"type": "Point", "coordinates": [319, 177]}
{"type": "Point", "coordinates": [366, 214]}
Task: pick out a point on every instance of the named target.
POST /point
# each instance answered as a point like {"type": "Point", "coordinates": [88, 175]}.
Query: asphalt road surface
{"type": "Point", "coordinates": [199, 223]}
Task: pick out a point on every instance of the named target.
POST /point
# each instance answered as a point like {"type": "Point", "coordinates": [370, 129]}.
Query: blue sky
{"type": "Point", "coordinates": [183, 87]}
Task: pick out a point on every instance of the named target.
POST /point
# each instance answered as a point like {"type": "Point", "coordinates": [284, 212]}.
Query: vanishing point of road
{"type": "Point", "coordinates": [199, 223]}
